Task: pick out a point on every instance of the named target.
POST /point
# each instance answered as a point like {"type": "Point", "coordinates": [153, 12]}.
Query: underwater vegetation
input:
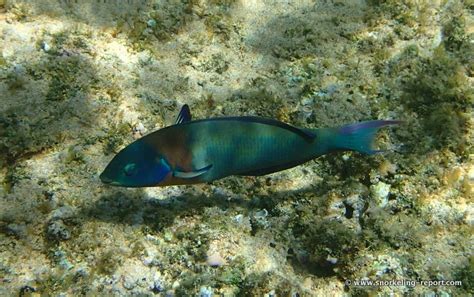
{"type": "Point", "coordinates": [81, 80]}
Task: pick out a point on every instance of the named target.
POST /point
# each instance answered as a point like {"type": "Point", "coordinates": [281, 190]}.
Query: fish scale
{"type": "Point", "coordinates": [191, 152]}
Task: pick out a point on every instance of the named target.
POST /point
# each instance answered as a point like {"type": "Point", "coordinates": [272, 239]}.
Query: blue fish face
{"type": "Point", "coordinates": [137, 165]}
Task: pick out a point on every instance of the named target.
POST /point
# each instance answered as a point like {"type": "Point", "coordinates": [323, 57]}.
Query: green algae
{"type": "Point", "coordinates": [216, 63]}
{"type": "Point", "coordinates": [20, 11]}
{"type": "Point", "coordinates": [13, 176]}
{"type": "Point", "coordinates": [439, 91]}
{"type": "Point", "coordinates": [420, 86]}
{"type": "Point", "coordinates": [115, 137]}
{"type": "Point", "coordinates": [161, 23]}
{"type": "Point", "coordinates": [233, 274]}
{"type": "Point", "coordinates": [74, 154]}
{"type": "Point", "coordinates": [455, 34]}
{"type": "Point", "coordinates": [409, 13]}
{"type": "Point", "coordinates": [391, 229]}
{"type": "Point", "coordinates": [70, 78]}
{"type": "Point", "coordinates": [62, 82]}
{"type": "Point", "coordinates": [15, 81]}
{"type": "Point", "coordinates": [466, 275]}
{"type": "Point", "coordinates": [108, 262]}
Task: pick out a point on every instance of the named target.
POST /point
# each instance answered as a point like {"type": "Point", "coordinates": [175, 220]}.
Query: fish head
{"type": "Point", "coordinates": [137, 165]}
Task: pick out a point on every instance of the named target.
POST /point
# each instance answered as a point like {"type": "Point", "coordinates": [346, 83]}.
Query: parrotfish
{"type": "Point", "coordinates": [199, 151]}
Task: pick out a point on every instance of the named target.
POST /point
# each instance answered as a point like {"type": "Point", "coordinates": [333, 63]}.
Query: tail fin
{"type": "Point", "coordinates": [358, 137]}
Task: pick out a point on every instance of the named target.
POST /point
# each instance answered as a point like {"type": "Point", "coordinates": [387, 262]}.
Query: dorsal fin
{"type": "Point", "coordinates": [184, 115]}
{"type": "Point", "coordinates": [305, 133]}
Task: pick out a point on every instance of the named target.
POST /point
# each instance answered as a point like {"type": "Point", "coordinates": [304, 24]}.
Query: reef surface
{"type": "Point", "coordinates": [79, 80]}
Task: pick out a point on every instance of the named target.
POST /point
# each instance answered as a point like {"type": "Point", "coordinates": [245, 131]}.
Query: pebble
{"type": "Point", "coordinates": [81, 272]}
{"type": "Point", "coordinates": [57, 230]}
{"type": "Point", "coordinates": [261, 214]}
{"type": "Point", "coordinates": [139, 130]}
{"type": "Point", "coordinates": [26, 289]}
{"type": "Point", "coordinates": [205, 292]}
{"type": "Point", "coordinates": [215, 260]}
{"type": "Point", "coordinates": [129, 282]}
{"type": "Point", "coordinates": [238, 219]}
{"type": "Point", "coordinates": [62, 260]}
{"type": "Point", "coordinates": [331, 260]}
{"type": "Point", "coordinates": [307, 101]}
{"type": "Point", "coordinates": [64, 212]}
{"type": "Point", "coordinates": [17, 230]}
{"type": "Point", "coordinates": [151, 23]}
{"type": "Point", "coordinates": [157, 286]}
{"type": "Point", "coordinates": [45, 46]}
{"type": "Point", "coordinates": [380, 192]}
{"type": "Point", "coordinates": [271, 294]}
{"type": "Point", "coordinates": [470, 174]}
{"type": "Point", "coordinates": [357, 203]}
{"type": "Point", "coordinates": [261, 218]}
{"type": "Point", "coordinates": [19, 69]}
{"type": "Point", "coordinates": [168, 236]}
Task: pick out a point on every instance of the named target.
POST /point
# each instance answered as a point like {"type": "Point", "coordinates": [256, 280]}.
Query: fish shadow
{"type": "Point", "coordinates": [122, 206]}
{"type": "Point", "coordinates": [137, 208]}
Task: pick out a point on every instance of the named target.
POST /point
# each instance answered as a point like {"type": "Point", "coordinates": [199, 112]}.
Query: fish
{"type": "Point", "coordinates": [205, 150]}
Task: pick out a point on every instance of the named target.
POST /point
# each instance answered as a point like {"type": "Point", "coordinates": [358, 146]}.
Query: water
{"type": "Point", "coordinates": [79, 80]}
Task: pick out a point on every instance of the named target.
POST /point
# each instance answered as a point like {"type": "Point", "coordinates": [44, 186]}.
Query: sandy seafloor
{"type": "Point", "coordinates": [79, 80]}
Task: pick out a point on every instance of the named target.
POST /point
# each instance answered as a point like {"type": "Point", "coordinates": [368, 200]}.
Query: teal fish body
{"type": "Point", "coordinates": [200, 151]}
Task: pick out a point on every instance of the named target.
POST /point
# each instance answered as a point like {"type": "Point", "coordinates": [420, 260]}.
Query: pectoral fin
{"type": "Point", "coordinates": [191, 174]}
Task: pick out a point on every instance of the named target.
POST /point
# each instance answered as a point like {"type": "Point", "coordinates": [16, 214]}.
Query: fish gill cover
{"type": "Point", "coordinates": [80, 80]}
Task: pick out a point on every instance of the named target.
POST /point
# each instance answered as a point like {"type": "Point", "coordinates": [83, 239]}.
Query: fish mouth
{"type": "Point", "coordinates": [108, 181]}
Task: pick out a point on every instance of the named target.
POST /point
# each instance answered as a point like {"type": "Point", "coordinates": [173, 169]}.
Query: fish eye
{"type": "Point", "coordinates": [129, 169]}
